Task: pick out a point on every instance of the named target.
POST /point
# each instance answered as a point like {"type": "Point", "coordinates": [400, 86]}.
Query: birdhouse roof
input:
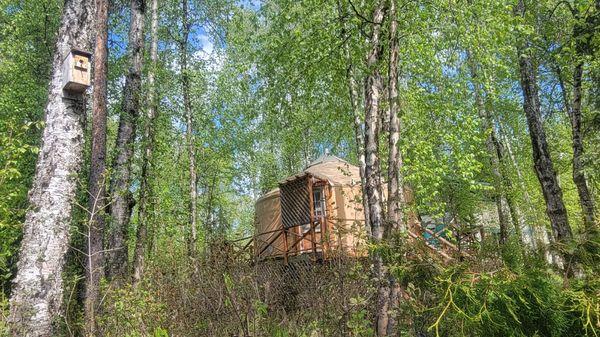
{"type": "Point", "coordinates": [78, 51]}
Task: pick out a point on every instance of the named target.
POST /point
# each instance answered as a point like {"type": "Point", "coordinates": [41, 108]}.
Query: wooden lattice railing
{"type": "Point", "coordinates": [254, 247]}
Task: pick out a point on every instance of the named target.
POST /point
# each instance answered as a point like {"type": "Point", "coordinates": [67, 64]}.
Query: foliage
{"type": "Point", "coordinates": [504, 303]}
{"type": "Point", "coordinates": [3, 315]}
{"type": "Point", "coordinates": [26, 44]}
{"type": "Point", "coordinates": [235, 298]}
{"type": "Point", "coordinates": [473, 298]}
{"type": "Point", "coordinates": [133, 312]}
{"type": "Point", "coordinates": [269, 82]}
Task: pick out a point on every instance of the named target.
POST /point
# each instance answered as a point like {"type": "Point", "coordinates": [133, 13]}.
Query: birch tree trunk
{"type": "Point", "coordinates": [395, 182]}
{"type": "Point", "coordinates": [573, 109]}
{"type": "Point", "coordinates": [359, 138]}
{"type": "Point", "coordinates": [122, 200]}
{"type": "Point", "coordinates": [35, 303]}
{"type": "Point", "coordinates": [189, 132]}
{"type": "Point", "coordinates": [354, 105]}
{"type": "Point", "coordinates": [539, 234]}
{"type": "Point", "coordinates": [395, 201]}
{"type": "Point", "coordinates": [585, 197]}
{"type": "Point", "coordinates": [145, 188]}
{"type": "Point", "coordinates": [209, 221]}
{"type": "Point", "coordinates": [581, 35]}
{"type": "Point", "coordinates": [507, 186]}
{"type": "Point", "coordinates": [372, 101]}
{"type": "Point", "coordinates": [373, 84]}
{"type": "Point", "coordinates": [490, 146]}
{"type": "Point", "coordinates": [97, 182]}
{"type": "Point", "coordinates": [555, 207]}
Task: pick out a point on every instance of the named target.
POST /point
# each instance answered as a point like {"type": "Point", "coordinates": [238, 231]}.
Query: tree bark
{"type": "Point", "coordinates": [581, 35]}
{"type": "Point", "coordinates": [373, 84]}
{"type": "Point", "coordinates": [372, 101]}
{"type": "Point", "coordinates": [507, 186]}
{"type": "Point", "coordinates": [540, 237]}
{"type": "Point", "coordinates": [395, 182]}
{"type": "Point", "coordinates": [209, 219]}
{"type": "Point", "coordinates": [122, 200]}
{"type": "Point", "coordinates": [490, 146]}
{"type": "Point", "coordinates": [145, 187]}
{"type": "Point", "coordinates": [395, 197]}
{"type": "Point", "coordinates": [97, 179]}
{"type": "Point", "coordinates": [573, 110]}
{"type": "Point", "coordinates": [189, 132]}
{"type": "Point", "coordinates": [359, 138]}
{"type": "Point", "coordinates": [555, 207]}
{"type": "Point", "coordinates": [354, 105]}
{"type": "Point", "coordinates": [585, 197]}
{"type": "Point", "coordinates": [35, 303]}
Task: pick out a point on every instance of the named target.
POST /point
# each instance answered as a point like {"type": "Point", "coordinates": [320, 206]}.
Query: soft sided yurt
{"type": "Point", "coordinates": [317, 211]}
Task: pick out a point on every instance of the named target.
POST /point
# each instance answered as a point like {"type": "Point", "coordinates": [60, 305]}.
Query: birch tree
{"type": "Point", "coordinates": [395, 181]}
{"type": "Point", "coordinates": [354, 99]}
{"type": "Point", "coordinates": [35, 304]}
{"type": "Point", "coordinates": [145, 187]}
{"type": "Point", "coordinates": [490, 144]}
{"type": "Point", "coordinates": [582, 36]}
{"type": "Point", "coordinates": [189, 131]}
{"type": "Point", "coordinates": [544, 168]}
{"type": "Point", "coordinates": [373, 84]}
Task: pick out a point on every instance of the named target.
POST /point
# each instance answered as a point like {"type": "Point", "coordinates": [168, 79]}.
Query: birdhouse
{"type": "Point", "coordinates": [76, 71]}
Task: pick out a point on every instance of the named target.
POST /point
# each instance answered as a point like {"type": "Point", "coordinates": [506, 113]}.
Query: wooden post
{"type": "Point", "coordinates": [255, 248]}
{"type": "Point", "coordinates": [312, 217]}
{"type": "Point", "coordinates": [325, 220]}
{"type": "Point", "coordinates": [285, 246]}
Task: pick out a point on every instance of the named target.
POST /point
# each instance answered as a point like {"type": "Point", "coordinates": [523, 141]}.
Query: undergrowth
{"type": "Point", "coordinates": [3, 315]}
{"type": "Point", "coordinates": [485, 295]}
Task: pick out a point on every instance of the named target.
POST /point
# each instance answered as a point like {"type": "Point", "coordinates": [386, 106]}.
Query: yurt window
{"type": "Point", "coordinates": [319, 202]}
{"type": "Point", "coordinates": [305, 228]}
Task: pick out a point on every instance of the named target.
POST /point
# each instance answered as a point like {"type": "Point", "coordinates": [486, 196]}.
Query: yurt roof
{"type": "Point", "coordinates": [335, 170]}
{"type": "Point", "coordinates": [272, 193]}
{"type": "Point", "coordinates": [332, 169]}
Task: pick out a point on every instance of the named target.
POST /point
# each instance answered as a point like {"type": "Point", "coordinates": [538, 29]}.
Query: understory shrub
{"type": "Point", "coordinates": [504, 303]}
{"type": "Point", "coordinates": [483, 295]}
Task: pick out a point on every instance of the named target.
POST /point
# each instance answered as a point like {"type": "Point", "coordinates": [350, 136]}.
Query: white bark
{"type": "Point", "coordinates": [359, 136]}
{"type": "Point", "coordinates": [145, 188]}
{"type": "Point", "coordinates": [372, 168]}
{"type": "Point", "coordinates": [189, 132]}
{"type": "Point", "coordinates": [36, 299]}
{"type": "Point", "coordinates": [395, 201]}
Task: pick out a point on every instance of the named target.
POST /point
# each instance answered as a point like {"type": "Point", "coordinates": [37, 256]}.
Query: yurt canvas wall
{"type": "Point", "coordinates": [347, 221]}
{"type": "Point", "coordinates": [267, 220]}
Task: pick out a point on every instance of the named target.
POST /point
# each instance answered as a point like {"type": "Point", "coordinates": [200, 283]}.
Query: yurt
{"type": "Point", "coordinates": [317, 212]}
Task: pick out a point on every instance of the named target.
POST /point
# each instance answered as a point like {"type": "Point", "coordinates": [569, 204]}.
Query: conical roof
{"type": "Point", "coordinates": [332, 169]}
{"type": "Point", "coordinates": [326, 158]}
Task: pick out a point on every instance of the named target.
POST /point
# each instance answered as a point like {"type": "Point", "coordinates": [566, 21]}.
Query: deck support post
{"type": "Point", "coordinates": [285, 245]}
{"type": "Point", "coordinates": [311, 205]}
{"type": "Point", "coordinates": [325, 221]}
